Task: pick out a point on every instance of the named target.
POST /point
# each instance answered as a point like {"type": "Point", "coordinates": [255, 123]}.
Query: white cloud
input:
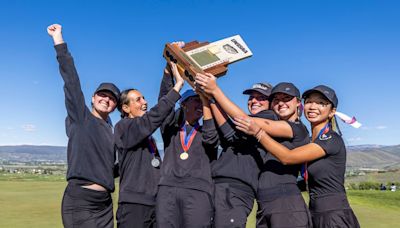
{"type": "Point", "coordinates": [355, 139]}
{"type": "Point", "coordinates": [29, 127]}
{"type": "Point", "coordinates": [379, 127]}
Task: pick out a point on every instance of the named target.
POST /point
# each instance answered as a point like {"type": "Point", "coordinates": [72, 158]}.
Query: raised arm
{"type": "Point", "coordinates": [275, 128]}
{"type": "Point", "coordinates": [299, 155]}
{"type": "Point", "coordinates": [220, 116]}
{"type": "Point", "coordinates": [225, 125]}
{"type": "Point", "coordinates": [207, 115]}
{"type": "Point", "coordinates": [55, 31]}
{"type": "Point", "coordinates": [209, 132]}
{"type": "Point", "coordinates": [74, 99]}
{"type": "Point", "coordinates": [167, 82]}
{"type": "Point", "coordinates": [129, 132]}
{"type": "Point", "coordinates": [132, 131]}
{"type": "Point", "coordinates": [210, 135]}
{"type": "Point", "coordinates": [207, 83]}
{"type": "Point", "coordinates": [171, 73]}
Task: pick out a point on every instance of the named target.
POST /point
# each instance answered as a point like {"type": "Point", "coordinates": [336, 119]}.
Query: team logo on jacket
{"type": "Point", "coordinates": [325, 137]}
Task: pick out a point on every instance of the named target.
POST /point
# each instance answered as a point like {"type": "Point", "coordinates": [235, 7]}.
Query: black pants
{"type": "Point", "coordinates": [86, 208]}
{"type": "Point", "coordinates": [186, 208]}
{"type": "Point", "coordinates": [233, 203]}
{"type": "Point", "coordinates": [282, 206]}
{"type": "Point", "coordinates": [332, 210]}
{"type": "Point", "coordinates": [132, 215]}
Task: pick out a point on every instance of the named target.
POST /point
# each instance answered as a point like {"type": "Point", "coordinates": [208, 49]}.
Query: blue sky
{"type": "Point", "coordinates": [352, 46]}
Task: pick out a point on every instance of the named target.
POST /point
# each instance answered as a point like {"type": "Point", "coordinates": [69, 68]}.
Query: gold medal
{"type": "Point", "coordinates": [184, 156]}
{"type": "Point", "coordinates": [186, 141]}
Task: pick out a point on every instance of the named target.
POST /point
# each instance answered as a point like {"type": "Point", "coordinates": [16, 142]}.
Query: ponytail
{"type": "Point", "coordinates": [124, 101]}
{"type": "Point", "coordinates": [334, 125]}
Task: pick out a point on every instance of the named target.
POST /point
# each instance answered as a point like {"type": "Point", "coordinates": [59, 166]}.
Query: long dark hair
{"type": "Point", "coordinates": [124, 100]}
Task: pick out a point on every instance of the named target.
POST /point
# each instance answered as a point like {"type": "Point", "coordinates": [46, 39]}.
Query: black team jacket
{"type": "Point", "coordinates": [138, 178]}
{"type": "Point", "coordinates": [194, 172]}
{"type": "Point", "coordinates": [90, 151]}
{"type": "Point", "coordinates": [241, 156]}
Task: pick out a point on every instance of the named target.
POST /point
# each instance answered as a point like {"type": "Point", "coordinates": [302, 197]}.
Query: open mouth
{"type": "Point", "coordinates": [103, 104]}
{"type": "Point", "coordinates": [312, 114]}
{"type": "Point", "coordinates": [282, 109]}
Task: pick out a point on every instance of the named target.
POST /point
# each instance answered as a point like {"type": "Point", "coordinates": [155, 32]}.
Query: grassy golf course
{"type": "Point", "coordinates": [34, 201]}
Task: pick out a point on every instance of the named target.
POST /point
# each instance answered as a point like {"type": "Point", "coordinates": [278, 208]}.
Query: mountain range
{"type": "Point", "coordinates": [362, 156]}
{"type": "Point", "coordinates": [373, 156]}
{"type": "Point", "coordinates": [30, 153]}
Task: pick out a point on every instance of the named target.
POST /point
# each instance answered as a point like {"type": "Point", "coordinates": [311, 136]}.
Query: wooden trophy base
{"type": "Point", "coordinates": [186, 66]}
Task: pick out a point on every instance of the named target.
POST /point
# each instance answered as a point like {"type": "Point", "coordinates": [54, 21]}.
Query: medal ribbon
{"type": "Point", "coordinates": [152, 146]}
{"type": "Point", "coordinates": [186, 140]}
{"type": "Point", "coordinates": [324, 130]}
{"type": "Point", "coordinates": [304, 172]}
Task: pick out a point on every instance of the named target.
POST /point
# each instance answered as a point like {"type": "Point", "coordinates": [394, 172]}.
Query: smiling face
{"type": "Point", "coordinates": [193, 108]}
{"type": "Point", "coordinates": [103, 103]}
{"type": "Point", "coordinates": [257, 102]}
{"type": "Point", "coordinates": [136, 105]}
{"type": "Point", "coordinates": [285, 106]}
{"type": "Point", "coordinates": [317, 109]}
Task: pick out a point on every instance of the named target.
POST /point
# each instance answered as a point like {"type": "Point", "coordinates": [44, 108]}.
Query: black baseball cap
{"type": "Point", "coordinates": [286, 88]}
{"type": "Point", "coordinates": [328, 93]}
{"type": "Point", "coordinates": [106, 86]}
{"type": "Point", "coordinates": [263, 88]}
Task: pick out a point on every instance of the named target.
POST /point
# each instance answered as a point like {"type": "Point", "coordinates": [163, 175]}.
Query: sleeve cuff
{"type": "Point", "coordinates": [173, 96]}
{"type": "Point", "coordinates": [226, 129]}
{"type": "Point", "coordinates": [209, 124]}
{"type": "Point", "coordinates": [61, 49]}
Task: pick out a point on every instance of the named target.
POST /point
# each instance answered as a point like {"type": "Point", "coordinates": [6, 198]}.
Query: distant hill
{"type": "Point", "coordinates": [373, 156]}
{"type": "Point", "coordinates": [29, 153]}
{"type": "Point", "coordinates": [363, 156]}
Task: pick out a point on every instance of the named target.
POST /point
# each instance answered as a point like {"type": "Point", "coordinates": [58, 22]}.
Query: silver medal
{"type": "Point", "coordinates": [155, 162]}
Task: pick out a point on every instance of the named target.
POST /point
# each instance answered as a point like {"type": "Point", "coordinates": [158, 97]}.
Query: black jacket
{"type": "Point", "coordinates": [241, 156]}
{"type": "Point", "coordinates": [90, 151]}
{"type": "Point", "coordinates": [194, 172]}
{"type": "Point", "coordinates": [138, 178]}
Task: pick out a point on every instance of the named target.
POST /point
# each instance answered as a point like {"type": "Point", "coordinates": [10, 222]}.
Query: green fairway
{"type": "Point", "coordinates": [35, 202]}
{"type": "Point", "coordinates": [30, 203]}
{"type": "Point", "coordinates": [376, 208]}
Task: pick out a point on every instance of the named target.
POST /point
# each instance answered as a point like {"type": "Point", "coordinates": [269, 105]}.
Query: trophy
{"type": "Point", "coordinates": [204, 57]}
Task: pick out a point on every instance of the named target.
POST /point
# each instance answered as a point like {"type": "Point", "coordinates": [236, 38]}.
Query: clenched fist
{"type": "Point", "coordinates": [54, 31]}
